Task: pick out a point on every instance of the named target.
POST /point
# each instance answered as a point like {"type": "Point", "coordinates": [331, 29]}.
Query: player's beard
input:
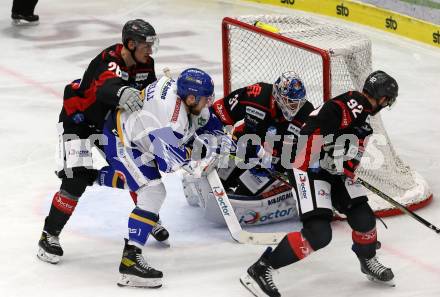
{"type": "Point", "coordinates": [193, 111]}
{"type": "Point", "coordinates": [376, 111]}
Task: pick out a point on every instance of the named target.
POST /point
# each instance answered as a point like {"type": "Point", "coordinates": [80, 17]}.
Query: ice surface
{"type": "Point", "coordinates": [37, 62]}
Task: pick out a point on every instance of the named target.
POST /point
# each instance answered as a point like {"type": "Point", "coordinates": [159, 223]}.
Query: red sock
{"type": "Point", "coordinates": [364, 238]}
{"type": "Point", "coordinates": [63, 203]}
{"type": "Point", "coordinates": [300, 246]}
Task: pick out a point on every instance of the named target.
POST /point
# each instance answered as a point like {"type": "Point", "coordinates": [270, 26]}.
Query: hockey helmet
{"type": "Point", "coordinates": [140, 31]}
{"type": "Point", "coordinates": [379, 84]}
{"type": "Point", "coordinates": [289, 93]}
{"type": "Point", "coordinates": [193, 81]}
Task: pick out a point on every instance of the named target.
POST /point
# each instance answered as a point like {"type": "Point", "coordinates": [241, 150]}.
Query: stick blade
{"type": "Point", "coordinates": [246, 237]}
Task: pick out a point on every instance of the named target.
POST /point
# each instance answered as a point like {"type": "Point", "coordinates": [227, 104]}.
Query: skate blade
{"type": "Point", "coordinates": [247, 281]}
{"type": "Point", "coordinates": [127, 280]}
{"type": "Point", "coordinates": [165, 243]}
{"type": "Point", "coordinates": [24, 23]}
{"type": "Point", "coordinates": [46, 257]}
{"type": "Point", "coordinates": [389, 283]}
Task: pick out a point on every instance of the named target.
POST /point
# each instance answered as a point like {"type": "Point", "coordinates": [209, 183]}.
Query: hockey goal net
{"type": "Point", "coordinates": [331, 60]}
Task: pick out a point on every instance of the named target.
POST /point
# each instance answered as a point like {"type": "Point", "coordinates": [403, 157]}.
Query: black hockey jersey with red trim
{"type": "Point", "coordinates": [259, 111]}
{"type": "Point", "coordinates": [344, 114]}
{"type": "Point", "coordinates": [97, 92]}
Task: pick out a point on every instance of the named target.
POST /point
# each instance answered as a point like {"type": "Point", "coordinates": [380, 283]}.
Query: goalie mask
{"type": "Point", "coordinates": [289, 93]}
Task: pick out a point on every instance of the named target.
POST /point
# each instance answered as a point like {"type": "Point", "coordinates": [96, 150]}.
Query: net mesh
{"type": "Point", "coordinates": [254, 57]}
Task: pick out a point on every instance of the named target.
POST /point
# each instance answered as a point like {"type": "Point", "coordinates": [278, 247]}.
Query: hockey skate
{"type": "Point", "coordinates": [49, 248]}
{"type": "Point", "coordinates": [25, 20]}
{"type": "Point", "coordinates": [135, 271]}
{"type": "Point", "coordinates": [376, 272]}
{"type": "Point", "coordinates": [258, 279]}
{"type": "Point", "coordinates": [160, 234]}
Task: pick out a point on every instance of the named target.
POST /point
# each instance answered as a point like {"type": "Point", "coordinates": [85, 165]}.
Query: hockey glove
{"type": "Point", "coordinates": [355, 154]}
{"type": "Point", "coordinates": [338, 160]}
{"type": "Point", "coordinates": [201, 167]}
{"type": "Point", "coordinates": [333, 158]}
{"type": "Point", "coordinates": [259, 152]}
{"type": "Point", "coordinates": [130, 99]}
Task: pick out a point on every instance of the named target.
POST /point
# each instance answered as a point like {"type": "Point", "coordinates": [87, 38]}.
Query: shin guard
{"type": "Point", "coordinates": [292, 248]}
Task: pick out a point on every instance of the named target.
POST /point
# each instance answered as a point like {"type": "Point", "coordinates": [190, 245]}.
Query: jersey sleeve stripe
{"type": "Point", "coordinates": [119, 127]}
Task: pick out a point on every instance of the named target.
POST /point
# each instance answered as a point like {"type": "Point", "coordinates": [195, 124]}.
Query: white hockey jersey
{"type": "Point", "coordinates": [164, 125]}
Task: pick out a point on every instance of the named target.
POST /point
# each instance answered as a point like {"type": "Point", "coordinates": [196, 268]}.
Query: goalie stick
{"type": "Point", "coordinates": [237, 233]}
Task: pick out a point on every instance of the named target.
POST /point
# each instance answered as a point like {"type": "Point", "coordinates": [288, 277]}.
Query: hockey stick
{"type": "Point", "coordinates": [399, 206]}
{"type": "Point", "coordinates": [379, 193]}
{"type": "Point", "coordinates": [226, 209]}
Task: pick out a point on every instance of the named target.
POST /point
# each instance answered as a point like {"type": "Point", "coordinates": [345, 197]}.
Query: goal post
{"type": "Point", "coordinates": [226, 49]}
{"type": "Point", "coordinates": [331, 59]}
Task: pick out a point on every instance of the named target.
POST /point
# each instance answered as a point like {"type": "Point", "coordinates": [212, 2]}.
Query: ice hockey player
{"type": "Point", "coordinates": [265, 110]}
{"type": "Point", "coordinates": [321, 182]}
{"type": "Point", "coordinates": [112, 80]}
{"type": "Point", "coordinates": [156, 139]}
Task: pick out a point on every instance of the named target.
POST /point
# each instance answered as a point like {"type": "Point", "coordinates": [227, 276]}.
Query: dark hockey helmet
{"type": "Point", "coordinates": [379, 84]}
{"type": "Point", "coordinates": [140, 31]}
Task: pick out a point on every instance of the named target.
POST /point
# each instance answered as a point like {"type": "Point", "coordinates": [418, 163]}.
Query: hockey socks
{"type": "Point", "coordinates": [364, 243]}
{"type": "Point", "coordinates": [292, 248]}
{"type": "Point", "coordinates": [140, 224]}
{"type": "Point", "coordinates": [61, 209]}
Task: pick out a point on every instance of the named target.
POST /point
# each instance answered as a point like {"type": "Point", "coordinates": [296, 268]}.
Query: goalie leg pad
{"type": "Point", "coordinates": [195, 189]}
{"type": "Point", "coordinates": [276, 205]}
{"type": "Point", "coordinates": [254, 210]}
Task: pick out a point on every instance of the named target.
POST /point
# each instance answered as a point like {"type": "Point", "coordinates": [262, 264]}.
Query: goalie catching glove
{"type": "Point", "coordinates": [130, 99]}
